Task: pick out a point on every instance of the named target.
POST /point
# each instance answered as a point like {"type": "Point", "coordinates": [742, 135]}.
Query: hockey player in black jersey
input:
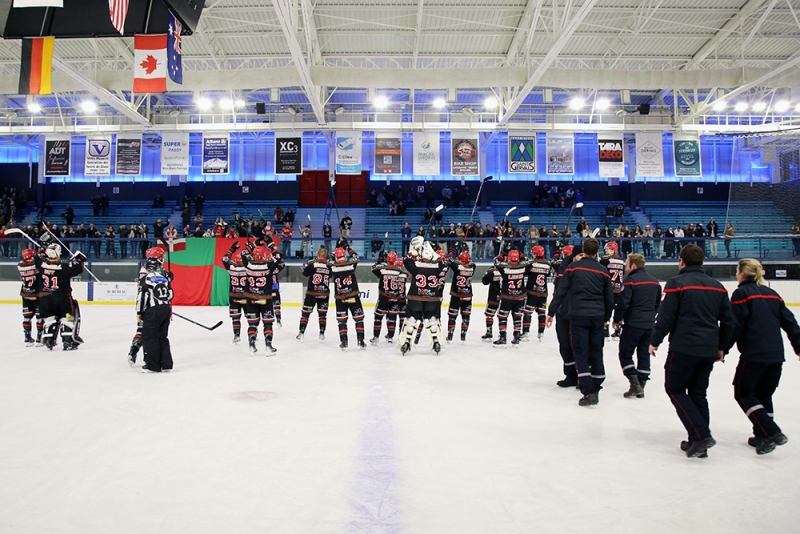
{"type": "Point", "coordinates": [154, 310]}
{"type": "Point", "coordinates": [56, 305]}
{"type": "Point", "coordinates": [536, 289]}
{"type": "Point", "coordinates": [30, 292]}
{"type": "Point", "coordinates": [232, 261]}
{"type": "Point", "coordinates": [512, 297]}
{"type": "Point", "coordinates": [392, 291]}
{"type": "Point", "coordinates": [426, 271]}
{"type": "Point", "coordinates": [260, 266]}
{"type": "Point", "coordinates": [460, 295]}
{"type": "Point", "coordinates": [493, 279]}
{"type": "Point", "coordinates": [277, 256]}
{"type": "Point", "coordinates": [348, 302]}
{"type": "Point", "coordinates": [616, 268]}
{"type": "Point", "coordinates": [317, 293]}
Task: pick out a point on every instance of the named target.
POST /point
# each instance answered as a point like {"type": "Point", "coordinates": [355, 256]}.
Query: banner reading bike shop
{"type": "Point", "coordinates": [611, 157]}
{"type": "Point", "coordinates": [522, 153]}
{"type": "Point", "coordinates": [464, 154]}
{"type": "Point", "coordinates": [687, 155]}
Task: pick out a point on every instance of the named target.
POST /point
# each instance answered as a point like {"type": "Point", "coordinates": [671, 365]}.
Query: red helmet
{"type": "Point", "coordinates": [442, 255]}
{"type": "Point", "coordinates": [513, 255]}
{"type": "Point", "coordinates": [28, 254]}
{"type": "Point", "coordinates": [262, 254]}
{"type": "Point", "coordinates": [464, 257]}
{"type": "Point", "coordinates": [612, 246]}
{"type": "Point", "coordinates": [538, 251]}
{"type": "Point", "coordinates": [400, 262]}
{"type": "Point", "coordinates": [391, 258]}
{"type": "Point", "coordinates": [155, 252]}
{"type": "Point", "coordinates": [339, 254]}
{"type": "Point", "coordinates": [236, 257]}
{"type": "Point", "coordinates": [566, 251]}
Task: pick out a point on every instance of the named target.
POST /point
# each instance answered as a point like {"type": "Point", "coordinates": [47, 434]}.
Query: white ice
{"type": "Point", "coordinates": [316, 440]}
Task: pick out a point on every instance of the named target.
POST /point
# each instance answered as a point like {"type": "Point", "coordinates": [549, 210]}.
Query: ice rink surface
{"type": "Point", "coordinates": [316, 440]}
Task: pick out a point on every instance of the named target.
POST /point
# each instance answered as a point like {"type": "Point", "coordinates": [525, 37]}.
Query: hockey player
{"type": "Point", "coordinates": [616, 268]}
{"type": "Point", "coordinates": [317, 293]}
{"type": "Point", "coordinates": [391, 289]}
{"type": "Point", "coordinates": [276, 285]}
{"type": "Point", "coordinates": [536, 288]}
{"type": "Point", "coordinates": [260, 266]}
{"type": "Point", "coordinates": [512, 296]}
{"type": "Point", "coordinates": [425, 268]}
{"type": "Point", "coordinates": [493, 279]}
{"type": "Point", "coordinates": [154, 310]}
{"type": "Point", "coordinates": [30, 292]}
{"type": "Point", "coordinates": [345, 285]}
{"type": "Point", "coordinates": [232, 261]}
{"type": "Point", "coordinates": [56, 305]}
{"type": "Point", "coordinates": [460, 295]}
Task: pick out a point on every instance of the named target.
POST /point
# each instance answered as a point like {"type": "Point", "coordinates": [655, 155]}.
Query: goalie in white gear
{"type": "Point", "coordinates": [426, 273]}
{"type": "Point", "coordinates": [56, 305]}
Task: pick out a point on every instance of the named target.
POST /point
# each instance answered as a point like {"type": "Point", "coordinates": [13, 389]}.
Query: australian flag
{"type": "Point", "coordinates": [174, 52]}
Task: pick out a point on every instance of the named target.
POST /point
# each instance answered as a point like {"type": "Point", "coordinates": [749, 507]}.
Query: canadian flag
{"type": "Point", "coordinates": [150, 64]}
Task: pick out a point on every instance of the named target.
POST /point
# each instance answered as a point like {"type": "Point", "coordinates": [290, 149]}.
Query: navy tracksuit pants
{"type": "Point", "coordinates": [565, 349]}
{"type": "Point", "coordinates": [587, 337]}
{"type": "Point", "coordinates": [753, 386]}
{"type": "Point", "coordinates": [686, 383]}
{"type": "Point", "coordinates": [635, 340]}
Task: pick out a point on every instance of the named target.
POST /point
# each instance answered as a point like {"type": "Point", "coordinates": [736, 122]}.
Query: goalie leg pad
{"type": "Point", "coordinates": [435, 332]}
{"type": "Point", "coordinates": [407, 332]}
{"type": "Point", "coordinates": [50, 328]}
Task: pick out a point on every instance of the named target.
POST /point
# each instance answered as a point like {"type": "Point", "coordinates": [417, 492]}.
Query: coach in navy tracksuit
{"type": "Point", "coordinates": [696, 313]}
{"type": "Point", "coordinates": [637, 304]}
{"type": "Point", "coordinates": [760, 315]}
{"type": "Point", "coordinates": [587, 292]}
{"type": "Point", "coordinates": [570, 379]}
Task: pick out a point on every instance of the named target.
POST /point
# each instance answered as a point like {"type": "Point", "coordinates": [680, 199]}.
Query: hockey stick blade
{"type": "Point", "coordinates": [196, 323]}
{"type": "Point", "coordinates": [524, 218]}
{"type": "Point", "coordinates": [595, 232]}
{"type": "Point", "coordinates": [439, 208]}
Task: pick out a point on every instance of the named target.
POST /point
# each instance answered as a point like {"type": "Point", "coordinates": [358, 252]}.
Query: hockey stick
{"type": "Point", "coordinates": [521, 220]}
{"type": "Point", "coordinates": [196, 323]}
{"type": "Point", "coordinates": [439, 208]}
{"type": "Point", "coordinates": [475, 206]}
{"type": "Point", "coordinates": [169, 263]}
{"type": "Point", "coordinates": [18, 231]}
{"type": "Point", "coordinates": [26, 236]}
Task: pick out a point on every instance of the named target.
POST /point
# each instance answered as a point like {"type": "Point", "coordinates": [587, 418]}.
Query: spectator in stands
{"type": "Point", "coordinates": [542, 230]}
{"type": "Point", "coordinates": [198, 220]}
{"type": "Point", "coordinates": [569, 198]}
{"type": "Point", "coordinates": [519, 240]}
{"type": "Point", "coordinates": [447, 196]}
{"type": "Point", "coordinates": [158, 229]}
{"type": "Point", "coordinates": [278, 216]}
{"type": "Point", "coordinates": [479, 234]}
{"type": "Point", "coordinates": [393, 209]}
{"type": "Point", "coordinates": [96, 205]}
{"type": "Point", "coordinates": [566, 235]}
{"type": "Point", "coordinates": [289, 217]}
{"type": "Point", "coordinates": [669, 243]}
{"type": "Point", "coordinates": [533, 236]}
{"type": "Point", "coordinates": [578, 200]}
{"type": "Point", "coordinates": [220, 227]}
{"type": "Point", "coordinates": [69, 214]}
{"type": "Point", "coordinates": [729, 233]}
{"type": "Point", "coordinates": [658, 240]}
{"type": "Point", "coordinates": [405, 233]}
{"type": "Point", "coordinates": [372, 200]}
{"type": "Point", "coordinates": [144, 243]}
{"type": "Point", "coordinates": [199, 200]}
{"type": "Point", "coordinates": [609, 212]}
{"type": "Point", "coordinates": [456, 197]}
{"type": "Point", "coordinates": [700, 232]}
{"type": "Point", "coordinates": [186, 203]}
{"type": "Point", "coordinates": [620, 212]}
{"type": "Point", "coordinates": [401, 209]}
{"type": "Point", "coordinates": [795, 240]}
{"type": "Point", "coordinates": [626, 245]}
{"type": "Point", "coordinates": [269, 231]}
{"type": "Point", "coordinates": [552, 198]}
{"type": "Point", "coordinates": [187, 231]}
{"type": "Point", "coordinates": [606, 232]}
{"type": "Point", "coordinates": [647, 245]}
{"type": "Point", "coordinates": [94, 234]}
{"type": "Point", "coordinates": [459, 230]}
{"type": "Point", "coordinates": [638, 234]}
{"type": "Point", "coordinates": [286, 234]}
{"type": "Point", "coordinates": [688, 232]}
{"type": "Point", "coordinates": [430, 195]}
{"type": "Point", "coordinates": [465, 195]}
{"type": "Point", "coordinates": [345, 224]}
{"type": "Point", "coordinates": [3, 217]}
{"type": "Point", "coordinates": [421, 232]}
{"type": "Point", "coordinates": [305, 233]}
{"type": "Point", "coordinates": [553, 243]}
{"type": "Point", "coordinates": [580, 226]}
{"type": "Point", "coordinates": [428, 215]}
{"type": "Point", "coordinates": [109, 237]}
{"type": "Point", "coordinates": [104, 203]}
{"type": "Point", "coordinates": [712, 230]}
{"type": "Point", "coordinates": [327, 234]}
{"type": "Point", "coordinates": [375, 245]}
{"type": "Point", "coordinates": [437, 216]}
{"type": "Point", "coordinates": [123, 240]}
{"type": "Point", "coordinates": [451, 232]}
{"type": "Point", "coordinates": [158, 202]}
{"type": "Point", "coordinates": [171, 232]}
{"type": "Point", "coordinates": [679, 239]}
{"type": "Point", "coordinates": [209, 233]}
{"type": "Point", "coordinates": [4, 240]}
{"type": "Point", "coordinates": [198, 231]}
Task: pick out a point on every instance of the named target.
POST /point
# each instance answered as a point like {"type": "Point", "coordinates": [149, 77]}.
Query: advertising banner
{"type": "Point", "coordinates": [611, 156]}
{"type": "Point", "coordinates": [649, 154]}
{"type": "Point", "coordinates": [129, 154]}
{"type": "Point", "coordinates": [348, 152]}
{"type": "Point", "coordinates": [289, 153]}
{"type": "Point", "coordinates": [426, 154]}
{"type": "Point", "coordinates": [97, 160]}
{"type": "Point", "coordinates": [57, 155]}
{"type": "Point", "coordinates": [388, 153]}
{"type": "Point", "coordinates": [522, 153]}
{"type": "Point", "coordinates": [175, 153]}
{"type": "Point", "coordinates": [464, 154]}
{"type": "Point", "coordinates": [216, 153]}
{"type": "Point", "coordinates": [687, 155]}
{"type": "Point", "coordinates": [560, 154]}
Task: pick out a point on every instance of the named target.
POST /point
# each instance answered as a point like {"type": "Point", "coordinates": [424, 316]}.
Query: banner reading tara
{"type": "Point", "coordinates": [175, 153]}
{"type": "Point", "coordinates": [388, 154]}
{"type": "Point", "coordinates": [522, 154]}
{"type": "Point", "coordinates": [288, 153]}
{"type": "Point", "coordinates": [348, 152]}
{"type": "Point", "coordinates": [216, 153]}
{"type": "Point", "coordinates": [129, 154]}
{"type": "Point", "coordinates": [426, 154]}
{"type": "Point", "coordinates": [611, 156]}
{"type": "Point", "coordinates": [560, 154]}
{"type": "Point", "coordinates": [57, 155]}
{"type": "Point", "coordinates": [687, 155]}
{"type": "Point", "coordinates": [97, 160]}
{"type": "Point", "coordinates": [649, 154]}
{"type": "Point", "coordinates": [464, 154]}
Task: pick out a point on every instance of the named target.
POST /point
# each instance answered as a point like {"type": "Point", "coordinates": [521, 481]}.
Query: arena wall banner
{"type": "Point", "coordinates": [129, 154]}
{"type": "Point", "coordinates": [464, 154]}
{"type": "Point", "coordinates": [649, 154]}
{"type": "Point", "coordinates": [97, 158]}
{"type": "Point", "coordinates": [348, 152]}
{"type": "Point", "coordinates": [611, 156]}
{"type": "Point", "coordinates": [560, 154]}
{"type": "Point", "coordinates": [175, 153]}
{"type": "Point", "coordinates": [57, 155]}
{"type": "Point", "coordinates": [216, 153]}
{"type": "Point", "coordinates": [687, 155]}
{"type": "Point", "coordinates": [426, 154]}
{"type": "Point", "coordinates": [288, 153]}
{"type": "Point", "coordinates": [388, 153]}
{"type": "Point", "coordinates": [522, 154]}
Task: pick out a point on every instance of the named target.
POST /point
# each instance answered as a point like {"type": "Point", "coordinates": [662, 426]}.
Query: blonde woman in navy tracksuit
{"type": "Point", "coordinates": [761, 314]}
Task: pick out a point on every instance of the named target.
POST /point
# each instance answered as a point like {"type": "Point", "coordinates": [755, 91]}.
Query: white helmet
{"type": "Point", "coordinates": [416, 243]}
{"type": "Point", "coordinates": [53, 251]}
{"type": "Point", "coordinates": [428, 254]}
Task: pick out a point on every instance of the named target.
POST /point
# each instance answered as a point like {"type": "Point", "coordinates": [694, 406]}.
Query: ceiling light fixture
{"type": "Point", "coordinates": [719, 105]}
{"type": "Point", "coordinates": [759, 106]}
{"type": "Point", "coordinates": [33, 107]}
{"type": "Point", "coordinates": [740, 107]}
{"type": "Point", "coordinates": [339, 111]}
{"type": "Point", "coordinates": [490, 103]}
{"type": "Point", "coordinates": [602, 104]}
{"type": "Point", "coordinates": [226, 103]}
{"type": "Point", "coordinates": [240, 103]}
{"type": "Point", "coordinates": [576, 103]}
{"type": "Point", "coordinates": [381, 102]}
{"type": "Point", "coordinates": [174, 113]}
{"type": "Point", "coordinates": [782, 106]}
{"type": "Point", "coordinates": [203, 104]}
{"type": "Point", "coordinates": [88, 106]}
{"type": "Point", "coordinates": [439, 103]}
{"type": "Point", "coordinates": [467, 111]}
{"type": "Point", "coordinates": [292, 110]}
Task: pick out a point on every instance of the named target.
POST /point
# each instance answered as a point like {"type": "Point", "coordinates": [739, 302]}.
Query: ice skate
{"type": "Point", "coordinates": [405, 348]}
{"type": "Point", "coordinates": [635, 391]}
{"type": "Point", "coordinates": [449, 338]}
{"type": "Point", "coordinates": [270, 349]}
{"type": "Point", "coordinates": [437, 348]}
{"type": "Point", "coordinates": [540, 336]}
{"type": "Point", "coordinates": [29, 340]}
{"type": "Point", "coordinates": [500, 343]}
{"type": "Point", "coordinates": [299, 337]}
{"type": "Point", "coordinates": [322, 336]}
{"type": "Point", "coordinates": [525, 337]}
{"type": "Point", "coordinates": [590, 399]}
{"type": "Point", "coordinates": [253, 348]}
{"type": "Point", "coordinates": [278, 323]}
{"type": "Point", "coordinates": [463, 337]}
{"type": "Point", "coordinates": [362, 345]}
{"type": "Point", "coordinates": [236, 339]}
{"type": "Point", "coordinates": [487, 337]}
{"type": "Point", "coordinates": [390, 340]}
{"type": "Point", "coordinates": [516, 340]}
{"type": "Point", "coordinates": [343, 346]}
{"type": "Point", "coordinates": [132, 356]}
{"type": "Point", "coordinates": [374, 341]}
{"type": "Point", "coordinates": [685, 447]}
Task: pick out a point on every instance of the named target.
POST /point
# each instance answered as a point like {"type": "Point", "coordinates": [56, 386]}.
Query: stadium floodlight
{"type": "Point", "coordinates": [719, 105]}
{"type": "Point", "coordinates": [576, 103]}
{"type": "Point", "coordinates": [88, 106]}
{"type": "Point", "coordinates": [439, 103]}
{"type": "Point", "coordinates": [381, 102]}
{"type": "Point", "coordinates": [740, 107]}
{"type": "Point", "coordinates": [602, 104]}
{"type": "Point", "coordinates": [490, 103]}
{"type": "Point", "coordinates": [782, 106]}
{"type": "Point", "coordinates": [759, 106]}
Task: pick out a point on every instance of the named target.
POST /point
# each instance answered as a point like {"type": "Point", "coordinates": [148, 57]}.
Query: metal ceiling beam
{"type": "Point", "coordinates": [283, 11]}
{"type": "Point", "coordinates": [312, 41]}
{"type": "Point", "coordinates": [417, 34]}
{"type": "Point", "coordinates": [526, 24]}
{"type": "Point", "coordinates": [548, 60]}
{"type": "Point", "coordinates": [100, 92]}
{"type": "Point", "coordinates": [729, 27]}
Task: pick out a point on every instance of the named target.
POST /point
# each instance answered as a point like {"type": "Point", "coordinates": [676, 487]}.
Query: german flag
{"type": "Point", "coordinates": [36, 66]}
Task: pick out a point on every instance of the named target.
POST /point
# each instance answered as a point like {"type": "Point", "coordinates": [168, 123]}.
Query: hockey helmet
{"type": "Point", "coordinates": [236, 257]}
{"type": "Point", "coordinates": [155, 252]}
{"type": "Point", "coordinates": [538, 251]}
{"type": "Point", "coordinates": [340, 254]}
{"type": "Point", "coordinates": [28, 254]}
{"type": "Point", "coordinates": [513, 256]}
{"type": "Point", "coordinates": [262, 254]}
{"type": "Point", "coordinates": [464, 257]}
{"type": "Point", "coordinates": [612, 247]}
{"type": "Point", "coordinates": [566, 251]}
{"type": "Point", "coordinates": [53, 251]}
{"type": "Point", "coordinates": [441, 254]}
{"type": "Point", "coordinates": [400, 262]}
{"type": "Point", "coordinates": [391, 258]}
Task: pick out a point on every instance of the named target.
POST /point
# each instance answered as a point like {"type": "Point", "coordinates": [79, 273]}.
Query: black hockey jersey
{"type": "Point", "coordinates": [461, 285]}
{"type": "Point", "coordinates": [31, 279]}
{"type": "Point", "coordinates": [493, 279]}
{"type": "Point", "coordinates": [259, 279]}
{"type": "Point", "coordinates": [318, 273]}
{"type": "Point", "coordinates": [616, 268]}
{"type": "Point", "coordinates": [513, 284]}
{"type": "Point", "coordinates": [540, 271]}
{"type": "Point", "coordinates": [427, 279]}
{"type": "Point", "coordinates": [154, 289]}
{"type": "Point", "coordinates": [238, 274]}
{"type": "Point", "coordinates": [56, 277]}
{"type": "Point", "coordinates": [391, 280]}
{"type": "Point", "coordinates": [343, 275]}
